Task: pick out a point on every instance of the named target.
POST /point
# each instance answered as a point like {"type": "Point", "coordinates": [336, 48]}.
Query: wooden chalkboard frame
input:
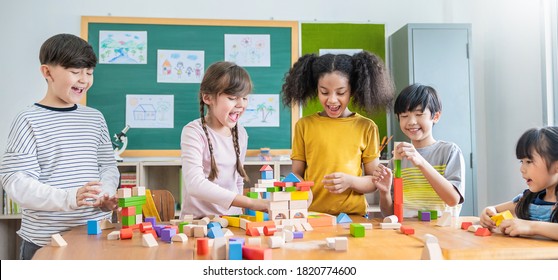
{"type": "Point", "coordinates": [294, 34]}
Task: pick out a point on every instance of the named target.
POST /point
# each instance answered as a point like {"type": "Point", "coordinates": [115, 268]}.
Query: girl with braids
{"type": "Point", "coordinates": [214, 146]}
{"type": "Point", "coordinates": [535, 208]}
{"type": "Point", "coordinates": [331, 147]}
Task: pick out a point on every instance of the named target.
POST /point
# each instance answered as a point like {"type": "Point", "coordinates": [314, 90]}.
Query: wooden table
{"type": "Point", "coordinates": [378, 244]}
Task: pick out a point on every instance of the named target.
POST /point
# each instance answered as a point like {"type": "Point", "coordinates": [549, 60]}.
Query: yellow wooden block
{"type": "Point", "coordinates": [149, 209]}
{"type": "Point", "coordinates": [233, 221]}
{"type": "Point", "coordinates": [498, 218]}
{"type": "Point", "coordinates": [299, 195]}
{"type": "Point", "coordinates": [259, 216]}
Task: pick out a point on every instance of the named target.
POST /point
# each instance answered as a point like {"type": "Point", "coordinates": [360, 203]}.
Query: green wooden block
{"type": "Point", "coordinates": [397, 169]}
{"type": "Point", "coordinates": [128, 220]}
{"type": "Point", "coordinates": [290, 189]}
{"type": "Point", "coordinates": [131, 201]}
{"type": "Point", "coordinates": [357, 230]}
{"type": "Point", "coordinates": [252, 195]}
{"type": "Point", "coordinates": [274, 189]}
{"type": "Point", "coordinates": [180, 227]}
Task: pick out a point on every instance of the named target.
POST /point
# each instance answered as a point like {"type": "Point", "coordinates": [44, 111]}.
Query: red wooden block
{"type": "Point", "coordinates": [398, 191]}
{"type": "Point", "coordinates": [256, 253]}
{"type": "Point", "coordinates": [407, 230]}
{"type": "Point", "coordinates": [466, 225]}
{"type": "Point", "coordinates": [252, 232]}
{"type": "Point", "coordinates": [153, 232]}
{"type": "Point", "coordinates": [283, 184]}
{"type": "Point", "coordinates": [269, 230]}
{"type": "Point", "coordinates": [398, 211]}
{"type": "Point", "coordinates": [128, 211]}
{"type": "Point", "coordinates": [126, 233]}
{"type": "Point", "coordinates": [305, 184]}
{"type": "Point", "coordinates": [145, 226]}
{"type": "Point", "coordinates": [483, 232]}
{"type": "Point", "coordinates": [203, 245]}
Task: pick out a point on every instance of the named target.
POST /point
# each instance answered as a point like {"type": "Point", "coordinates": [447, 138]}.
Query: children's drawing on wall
{"type": "Point", "coordinates": [150, 111]}
{"type": "Point", "coordinates": [122, 47]}
{"type": "Point", "coordinates": [339, 51]}
{"type": "Point", "coordinates": [248, 49]}
{"type": "Point", "coordinates": [262, 111]}
{"type": "Point", "coordinates": [180, 66]}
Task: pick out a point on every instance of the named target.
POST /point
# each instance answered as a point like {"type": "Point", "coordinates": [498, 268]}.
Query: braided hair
{"type": "Point", "coordinates": [224, 77]}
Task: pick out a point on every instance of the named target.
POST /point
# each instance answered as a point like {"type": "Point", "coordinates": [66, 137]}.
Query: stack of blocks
{"type": "Point", "coordinates": [131, 202]}
{"type": "Point", "coordinates": [397, 186]}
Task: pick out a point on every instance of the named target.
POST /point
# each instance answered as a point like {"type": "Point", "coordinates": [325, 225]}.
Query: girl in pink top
{"type": "Point", "coordinates": [214, 146]}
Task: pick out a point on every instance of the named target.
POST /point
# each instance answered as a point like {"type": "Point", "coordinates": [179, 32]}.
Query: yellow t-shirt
{"type": "Point", "coordinates": [329, 145]}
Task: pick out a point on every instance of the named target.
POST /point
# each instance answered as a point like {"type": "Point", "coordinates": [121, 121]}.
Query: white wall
{"type": "Point", "coordinates": [506, 56]}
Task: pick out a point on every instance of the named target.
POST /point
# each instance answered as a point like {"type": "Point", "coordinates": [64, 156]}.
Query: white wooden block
{"type": "Point", "coordinates": [341, 244]}
{"type": "Point", "coordinates": [390, 225]}
{"type": "Point", "coordinates": [280, 234]}
{"type": "Point", "coordinates": [57, 240]}
{"type": "Point", "coordinates": [367, 225]}
{"type": "Point", "coordinates": [330, 242]}
{"type": "Point", "coordinates": [124, 192]}
{"type": "Point", "coordinates": [431, 251]}
{"type": "Point", "coordinates": [227, 232]}
{"type": "Point", "coordinates": [188, 230]}
{"type": "Point", "coordinates": [289, 235]}
{"type": "Point", "coordinates": [188, 218]}
{"type": "Point", "coordinates": [391, 219]}
{"type": "Point", "coordinates": [429, 238]}
{"type": "Point", "coordinates": [289, 228]}
{"type": "Point", "coordinates": [139, 218]}
{"type": "Point", "coordinates": [205, 220]}
{"type": "Point", "coordinates": [287, 222]}
{"type": "Point", "coordinates": [219, 249]}
{"type": "Point", "coordinates": [445, 220]}
{"type": "Point", "coordinates": [138, 191]}
{"type": "Point", "coordinates": [278, 214]}
{"type": "Point", "coordinates": [106, 224]}
{"type": "Point", "coordinates": [280, 196]}
{"type": "Point", "coordinates": [243, 223]}
{"type": "Point", "coordinates": [115, 235]}
{"type": "Point", "coordinates": [298, 204]}
{"type": "Point", "coordinates": [148, 240]}
{"type": "Point", "coordinates": [254, 241]}
{"type": "Point", "coordinates": [222, 221]}
{"type": "Point", "coordinates": [200, 231]}
{"type": "Point", "coordinates": [181, 237]}
{"type": "Point", "coordinates": [275, 242]}
{"type": "Point", "coordinates": [298, 213]}
{"type": "Point", "coordinates": [175, 222]}
{"type": "Point", "coordinates": [473, 228]}
{"type": "Point", "coordinates": [299, 227]}
{"type": "Point", "coordinates": [396, 155]}
{"type": "Point", "coordinates": [307, 226]}
{"type": "Point", "coordinates": [260, 231]}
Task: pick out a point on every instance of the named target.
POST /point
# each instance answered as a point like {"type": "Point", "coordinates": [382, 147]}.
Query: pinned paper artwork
{"type": "Point", "coordinates": [122, 47]}
{"type": "Point", "coordinates": [150, 111]}
{"type": "Point", "coordinates": [180, 66]}
{"type": "Point", "coordinates": [248, 49]}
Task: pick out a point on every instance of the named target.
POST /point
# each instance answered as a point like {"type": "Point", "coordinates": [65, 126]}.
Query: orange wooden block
{"type": "Point", "coordinates": [398, 191]}
{"type": "Point", "coordinates": [398, 211]}
{"type": "Point", "coordinates": [128, 211]}
{"type": "Point", "coordinates": [304, 184]}
{"type": "Point", "coordinates": [483, 232]}
{"type": "Point", "coordinates": [145, 226]}
{"type": "Point", "coordinates": [255, 253]}
{"type": "Point", "coordinates": [466, 225]}
{"type": "Point", "coordinates": [321, 220]}
{"type": "Point", "coordinates": [252, 232]}
{"type": "Point", "coordinates": [259, 224]}
{"type": "Point", "coordinates": [269, 230]}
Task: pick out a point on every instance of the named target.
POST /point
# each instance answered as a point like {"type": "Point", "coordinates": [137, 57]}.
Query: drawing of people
{"type": "Point", "coordinates": [179, 67]}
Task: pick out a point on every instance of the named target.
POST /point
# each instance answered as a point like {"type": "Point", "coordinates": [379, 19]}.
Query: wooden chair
{"type": "Point", "coordinates": [164, 202]}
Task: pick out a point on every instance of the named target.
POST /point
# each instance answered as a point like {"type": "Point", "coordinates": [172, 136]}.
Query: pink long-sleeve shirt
{"type": "Point", "coordinates": [202, 197]}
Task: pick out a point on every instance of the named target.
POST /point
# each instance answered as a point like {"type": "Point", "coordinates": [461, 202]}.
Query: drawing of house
{"type": "Point", "coordinates": [145, 112]}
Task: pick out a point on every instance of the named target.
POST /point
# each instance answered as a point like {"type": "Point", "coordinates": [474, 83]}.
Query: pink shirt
{"type": "Point", "coordinates": [202, 197]}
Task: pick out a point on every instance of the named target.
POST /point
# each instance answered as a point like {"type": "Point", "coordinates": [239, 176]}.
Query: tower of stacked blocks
{"type": "Point", "coordinates": [131, 201]}
{"type": "Point", "coordinates": [397, 186]}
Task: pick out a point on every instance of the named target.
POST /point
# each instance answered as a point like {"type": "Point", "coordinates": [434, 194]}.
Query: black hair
{"type": "Point", "coordinates": [68, 51]}
{"type": "Point", "coordinates": [228, 78]}
{"type": "Point", "coordinates": [543, 141]}
{"type": "Point", "coordinates": [371, 86]}
{"type": "Point", "coordinates": [416, 95]}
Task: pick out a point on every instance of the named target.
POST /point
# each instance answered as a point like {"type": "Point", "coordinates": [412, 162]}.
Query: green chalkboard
{"type": "Point", "coordinates": [114, 81]}
{"type": "Point", "coordinates": [370, 37]}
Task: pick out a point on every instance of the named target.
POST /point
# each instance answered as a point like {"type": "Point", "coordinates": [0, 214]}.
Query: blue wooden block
{"type": "Point", "coordinates": [291, 178]}
{"type": "Point", "coordinates": [235, 250]}
{"type": "Point", "coordinates": [266, 195]}
{"type": "Point", "coordinates": [214, 224]}
{"type": "Point", "coordinates": [250, 212]}
{"type": "Point", "coordinates": [268, 174]}
{"type": "Point", "coordinates": [93, 227]}
{"type": "Point", "coordinates": [343, 218]}
{"type": "Point", "coordinates": [215, 232]}
{"type": "Point", "coordinates": [237, 239]}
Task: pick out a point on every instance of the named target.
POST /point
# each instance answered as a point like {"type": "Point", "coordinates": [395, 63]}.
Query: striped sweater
{"type": "Point", "coordinates": [51, 152]}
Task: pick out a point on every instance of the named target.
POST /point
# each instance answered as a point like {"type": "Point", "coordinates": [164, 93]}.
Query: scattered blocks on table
{"type": "Point", "coordinates": [93, 227]}
{"type": "Point", "coordinates": [343, 218]}
{"type": "Point", "coordinates": [357, 230]}
{"type": "Point", "coordinates": [114, 235]}
{"type": "Point", "coordinates": [466, 225]}
{"type": "Point", "coordinates": [407, 230]}
{"type": "Point", "coordinates": [483, 232]}
{"type": "Point", "coordinates": [498, 218]}
{"type": "Point", "coordinates": [56, 240]}
{"type": "Point", "coordinates": [147, 240]}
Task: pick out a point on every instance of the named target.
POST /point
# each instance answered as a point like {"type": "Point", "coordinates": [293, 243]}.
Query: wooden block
{"type": "Point", "coordinates": [483, 232]}
{"type": "Point", "coordinates": [288, 235]}
{"type": "Point", "coordinates": [138, 191]}
{"type": "Point", "coordinates": [357, 230]}
{"type": "Point", "coordinates": [280, 196]}
{"type": "Point", "coordinates": [298, 213]}
{"type": "Point", "coordinates": [341, 244]}
{"type": "Point", "coordinates": [147, 240]}
{"type": "Point", "coordinates": [391, 219]}
{"type": "Point", "coordinates": [432, 251]}
{"type": "Point", "coordinates": [126, 233]}
{"type": "Point", "coordinates": [56, 240]}
{"type": "Point", "coordinates": [235, 250]}
{"type": "Point", "coordinates": [202, 245]}
{"type": "Point", "coordinates": [473, 228]}
{"type": "Point", "coordinates": [390, 226]}
{"type": "Point", "coordinates": [299, 195]}
{"type": "Point", "coordinates": [124, 192]}
{"type": "Point", "coordinates": [232, 221]}
{"type": "Point", "coordinates": [498, 218]}
{"type": "Point", "coordinates": [252, 253]}
{"type": "Point", "coordinates": [466, 225]}
{"type": "Point", "coordinates": [254, 241]}
{"type": "Point", "coordinates": [219, 249]}
{"type": "Point", "coordinates": [307, 226]}
{"type": "Point", "coordinates": [114, 235]}
{"type": "Point", "coordinates": [106, 224]}
{"type": "Point", "coordinates": [224, 222]}
{"type": "Point", "coordinates": [407, 230]}
{"type": "Point", "coordinates": [279, 205]}
{"type": "Point", "coordinates": [181, 237]}
{"type": "Point", "coordinates": [445, 220]}
{"type": "Point", "coordinates": [275, 242]}
{"type": "Point", "coordinates": [367, 225]}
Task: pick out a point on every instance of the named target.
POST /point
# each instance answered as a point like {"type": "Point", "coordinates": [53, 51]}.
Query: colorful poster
{"type": "Point", "coordinates": [150, 111]}
{"type": "Point", "coordinates": [122, 47]}
{"type": "Point", "coordinates": [262, 111]}
{"type": "Point", "coordinates": [248, 49]}
{"type": "Point", "coordinates": [180, 66]}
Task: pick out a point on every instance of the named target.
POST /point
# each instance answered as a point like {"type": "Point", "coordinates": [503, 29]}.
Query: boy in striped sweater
{"type": "Point", "coordinates": [59, 165]}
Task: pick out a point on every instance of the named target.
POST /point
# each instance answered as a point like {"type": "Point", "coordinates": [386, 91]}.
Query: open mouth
{"type": "Point", "coordinates": [234, 116]}
{"type": "Point", "coordinates": [78, 90]}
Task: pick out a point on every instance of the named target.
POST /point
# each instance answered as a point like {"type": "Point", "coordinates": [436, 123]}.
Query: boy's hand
{"type": "Point", "coordinates": [260, 205]}
{"type": "Point", "coordinates": [485, 219]}
{"type": "Point", "coordinates": [88, 194]}
{"type": "Point", "coordinates": [382, 178]}
{"type": "Point", "coordinates": [337, 182]}
{"type": "Point", "coordinates": [408, 151]}
{"type": "Point", "coordinates": [107, 203]}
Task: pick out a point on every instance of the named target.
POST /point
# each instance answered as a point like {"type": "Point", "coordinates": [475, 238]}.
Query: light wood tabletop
{"type": "Point", "coordinates": [378, 244]}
